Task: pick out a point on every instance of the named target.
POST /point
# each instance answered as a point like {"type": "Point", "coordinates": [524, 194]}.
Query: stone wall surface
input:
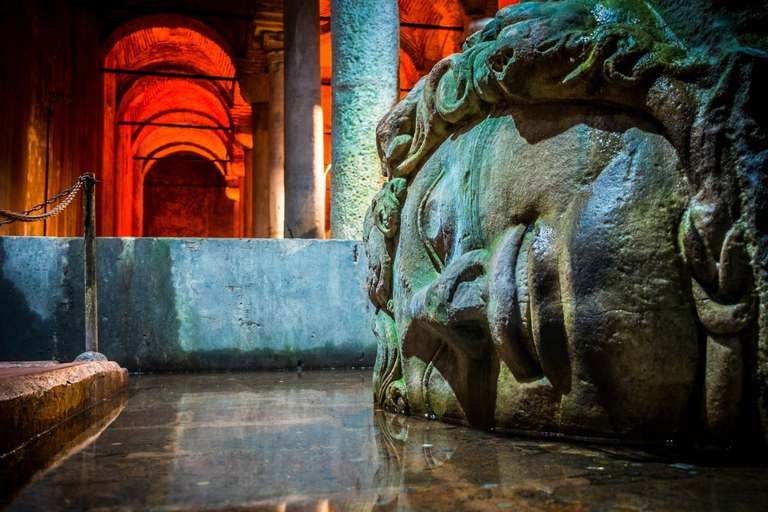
{"type": "Point", "coordinates": [171, 304]}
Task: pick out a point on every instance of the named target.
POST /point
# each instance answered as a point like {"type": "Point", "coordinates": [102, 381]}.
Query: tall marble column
{"type": "Point", "coordinates": [260, 186]}
{"type": "Point", "coordinates": [304, 178]}
{"type": "Point", "coordinates": [253, 88]}
{"type": "Point", "coordinates": [365, 44]}
{"type": "Point", "coordinates": [272, 43]}
{"type": "Point", "coordinates": [255, 91]}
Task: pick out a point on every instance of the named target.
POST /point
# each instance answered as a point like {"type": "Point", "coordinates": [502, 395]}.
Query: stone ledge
{"type": "Point", "coordinates": [34, 399]}
{"type": "Point", "coordinates": [171, 304]}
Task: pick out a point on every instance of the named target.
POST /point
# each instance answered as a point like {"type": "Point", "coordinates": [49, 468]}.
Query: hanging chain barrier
{"type": "Point", "coordinates": [86, 182]}
{"type": "Point", "coordinates": [66, 196]}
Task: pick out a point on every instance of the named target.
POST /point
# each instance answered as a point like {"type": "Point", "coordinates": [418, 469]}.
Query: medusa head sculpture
{"type": "Point", "coordinates": [569, 240]}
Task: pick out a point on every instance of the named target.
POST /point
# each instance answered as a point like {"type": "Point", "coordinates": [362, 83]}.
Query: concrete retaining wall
{"type": "Point", "coordinates": [168, 304]}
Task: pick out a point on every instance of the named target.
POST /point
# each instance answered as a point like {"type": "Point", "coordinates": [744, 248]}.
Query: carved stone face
{"type": "Point", "coordinates": [571, 252]}
{"type": "Point", "coordinates": [550, 262]}
{"type": "Point", "coordinates": [578, 232]}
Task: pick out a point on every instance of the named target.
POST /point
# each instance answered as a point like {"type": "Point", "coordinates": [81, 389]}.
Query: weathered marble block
{"type": "Point", "coordinates": [572, 237]}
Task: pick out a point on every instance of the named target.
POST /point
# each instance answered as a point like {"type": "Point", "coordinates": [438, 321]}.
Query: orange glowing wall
{"type": "Point", "coordinates": [185, 195]}
{"type": "Point", "coordinates": [50, 108]}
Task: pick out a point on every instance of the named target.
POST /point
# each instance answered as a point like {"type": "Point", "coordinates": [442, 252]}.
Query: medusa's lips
{"type": "Point", "coordinates": [510, 295]}
{"type": "Point", "coordinates": [525, 315]}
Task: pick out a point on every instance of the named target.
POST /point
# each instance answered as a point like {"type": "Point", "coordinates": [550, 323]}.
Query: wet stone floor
{"type": "Point", "coordinates": [282, 441]}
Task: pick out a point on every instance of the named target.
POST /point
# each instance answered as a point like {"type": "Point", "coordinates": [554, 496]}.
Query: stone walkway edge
{"type": "Point", "coordinates": [35, 397]}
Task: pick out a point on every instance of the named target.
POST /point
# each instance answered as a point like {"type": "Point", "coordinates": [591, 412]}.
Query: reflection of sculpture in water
{"type": "Point", "coordinates": [570, 237]}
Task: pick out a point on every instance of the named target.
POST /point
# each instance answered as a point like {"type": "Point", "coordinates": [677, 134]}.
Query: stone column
{"type": "Point", "coordinates": [253, 88]}
{"type": "Point", "coordinates": [304, 178]}
{"type": "Point", "coordinates": [272, 42]}
{"type": "Point", "coordinates": [365, 44]}
{"type": "Point", "coordinates": [247, 198]}
{"type": "Point", "coordinates": [260, 170]}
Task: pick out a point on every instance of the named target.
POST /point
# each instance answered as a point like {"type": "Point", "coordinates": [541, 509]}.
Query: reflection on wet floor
{"type": "Point", "coordinates": [283, 441]}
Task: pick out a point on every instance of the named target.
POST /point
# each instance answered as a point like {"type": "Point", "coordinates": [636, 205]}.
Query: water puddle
{"type": "Point", "coordinates": [284, 441]}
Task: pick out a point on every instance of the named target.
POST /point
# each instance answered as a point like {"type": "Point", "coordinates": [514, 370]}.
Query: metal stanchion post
{"type": "Point", "coordinates": [89, 249]}
{"type": "Point", "coordinates": [87, 182]}
{"type": "Point", "coordinates": [91, 288]}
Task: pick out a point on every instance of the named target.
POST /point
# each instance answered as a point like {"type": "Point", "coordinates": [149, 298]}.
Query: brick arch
{"type": "Point", "coordinates": [409, 73]}
{"type": "Point", "coordinates": [157, 101]}
{"type": "Point", "coordinates": [162, 142]}
{"type": "Point", "coordinates": [165, 20]}
{"type": "Point", "coordinates": [152, 111]}
{"type": "Point", "coordinates": [186, 195]}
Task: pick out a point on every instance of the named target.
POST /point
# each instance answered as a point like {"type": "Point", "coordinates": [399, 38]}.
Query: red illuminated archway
{"type": "Point", "coordinates": [170, 89]}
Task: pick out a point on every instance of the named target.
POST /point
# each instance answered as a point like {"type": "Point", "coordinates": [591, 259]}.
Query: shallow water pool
{"type": "Point", "coordinates": [284, 441]}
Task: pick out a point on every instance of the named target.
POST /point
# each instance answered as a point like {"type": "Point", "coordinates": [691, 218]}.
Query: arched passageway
{"type": "Point", "coordinates": [171, 96]}
{"type": "Point", "coordinates": [185, 194]}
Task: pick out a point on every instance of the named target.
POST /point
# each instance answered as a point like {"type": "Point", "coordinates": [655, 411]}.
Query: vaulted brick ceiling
{"type": "Point", "coordinates": [166, 44]}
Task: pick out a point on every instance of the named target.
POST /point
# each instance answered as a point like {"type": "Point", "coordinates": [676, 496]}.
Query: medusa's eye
{"type": "Point", "coordinates": [501, 59]}
{"type": "Point", "coordinates": [496, 63]}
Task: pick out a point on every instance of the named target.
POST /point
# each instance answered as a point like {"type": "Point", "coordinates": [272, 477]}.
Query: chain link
{"type": "Point", "coordinates": [68, 195]}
